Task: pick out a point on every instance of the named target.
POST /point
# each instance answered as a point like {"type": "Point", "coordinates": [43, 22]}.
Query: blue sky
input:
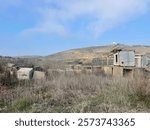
{"type": "Point", "coordinates": [43, 27]}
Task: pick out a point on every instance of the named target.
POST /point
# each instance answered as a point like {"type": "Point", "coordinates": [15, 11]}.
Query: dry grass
{"type": "Point", "coordinates": [78, 93]}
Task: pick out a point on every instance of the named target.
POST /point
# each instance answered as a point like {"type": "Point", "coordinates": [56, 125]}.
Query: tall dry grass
{"type": "Point", "coordinates": [69, 92]}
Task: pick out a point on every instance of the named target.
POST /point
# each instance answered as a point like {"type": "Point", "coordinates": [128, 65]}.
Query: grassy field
{"type": "Point", "coordinates": [68, 92]}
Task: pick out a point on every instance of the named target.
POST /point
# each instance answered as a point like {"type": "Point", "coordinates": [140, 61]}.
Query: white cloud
{"type": "Point", "coordinates": [58, 16]}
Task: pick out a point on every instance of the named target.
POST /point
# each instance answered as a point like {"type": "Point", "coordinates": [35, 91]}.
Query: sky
{"type": "Point", "coordinates": [44, 27]}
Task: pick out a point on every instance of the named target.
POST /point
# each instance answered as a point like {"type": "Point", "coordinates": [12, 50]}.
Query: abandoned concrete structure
{"type": "Point", "coordinates": [125, 63]}
{"type": "Point", "coordinates": [141, 60]}
{"type": "Point", "coordinates": [25, 73]}
{"type": "Point", "coordinates": [38, 75]}
{"type": "Point", "coordinates": [129, 64]}
{"type": "Point", "coordinates": [124, 58]}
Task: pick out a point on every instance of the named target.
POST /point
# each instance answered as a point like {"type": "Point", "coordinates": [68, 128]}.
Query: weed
{"type": "Point", "coordinates": [22, 105]}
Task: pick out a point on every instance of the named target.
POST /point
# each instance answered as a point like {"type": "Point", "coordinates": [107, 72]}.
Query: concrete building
{"type": "Point", "coordinates": [25, 73]}
{"type": "Point", "coordinates": [141, 60]}
{"type": "Point", "coordinates": [39, 75]}
{"type": "Point", "coordinates": [124, 58]}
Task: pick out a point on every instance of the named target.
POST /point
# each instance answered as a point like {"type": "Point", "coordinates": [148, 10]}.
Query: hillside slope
{"type": "Point", "coordinates": [95, 52]}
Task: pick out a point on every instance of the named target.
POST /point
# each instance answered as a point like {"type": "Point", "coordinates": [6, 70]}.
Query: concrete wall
{"type": "Point", "coordinates": [98, 70]}
{"type": "Point", "coordinates": [38, 75]}
{"type": "Point", "coordinates": [25, 73]}
{"type": "Point", "coordinates": [108, 70]}
{"type": "Point", "coordinates": [117, 71]}
{"type": "Point", "coordinates": [141, 61]}
{"type": "Point", "coordinates": [124, 58]}
{"type": "Point", "coordinates": [128, 72]}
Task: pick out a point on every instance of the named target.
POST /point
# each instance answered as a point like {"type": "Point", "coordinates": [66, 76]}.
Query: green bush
{"type": "Point", "coordinates": [22, 105]}
{"type": "Point", "coordinates": [2, 103]}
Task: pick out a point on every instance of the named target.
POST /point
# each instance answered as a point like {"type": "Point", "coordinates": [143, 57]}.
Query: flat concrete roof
{"type": "Point", "coordinates": [25, 69]}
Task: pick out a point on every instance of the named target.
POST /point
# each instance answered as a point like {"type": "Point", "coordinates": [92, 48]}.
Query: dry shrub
{"type": "Point", "coordinates": [6, 79]}
{"type": "Point", "coordinates": [141, 85]}
{"type": "Point", "coordinates": [140, 93]}
{"type": "Point", "coordinates": [69, 88]}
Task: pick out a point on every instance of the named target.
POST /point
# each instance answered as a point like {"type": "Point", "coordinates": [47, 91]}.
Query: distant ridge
{"type": "Point", "coordinates": [87, 53]}
{"type": "Point", "coordinates": [95, 51]}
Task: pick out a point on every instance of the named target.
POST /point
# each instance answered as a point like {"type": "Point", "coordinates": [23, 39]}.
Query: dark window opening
{"type": "Point", "coordinates": [116, 58]}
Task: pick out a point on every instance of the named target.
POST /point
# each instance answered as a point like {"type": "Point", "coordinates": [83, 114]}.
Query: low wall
{"type": "Point", "coordinates": [38, 75]}
{"type": "Point", "coordinates": [108, 70]}
{"type": "Point", "coordinates": [118, 71]}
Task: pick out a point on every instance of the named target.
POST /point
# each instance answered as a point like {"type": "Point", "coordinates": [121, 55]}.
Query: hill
{"type": "Point", "coordinates": [89, 53]}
